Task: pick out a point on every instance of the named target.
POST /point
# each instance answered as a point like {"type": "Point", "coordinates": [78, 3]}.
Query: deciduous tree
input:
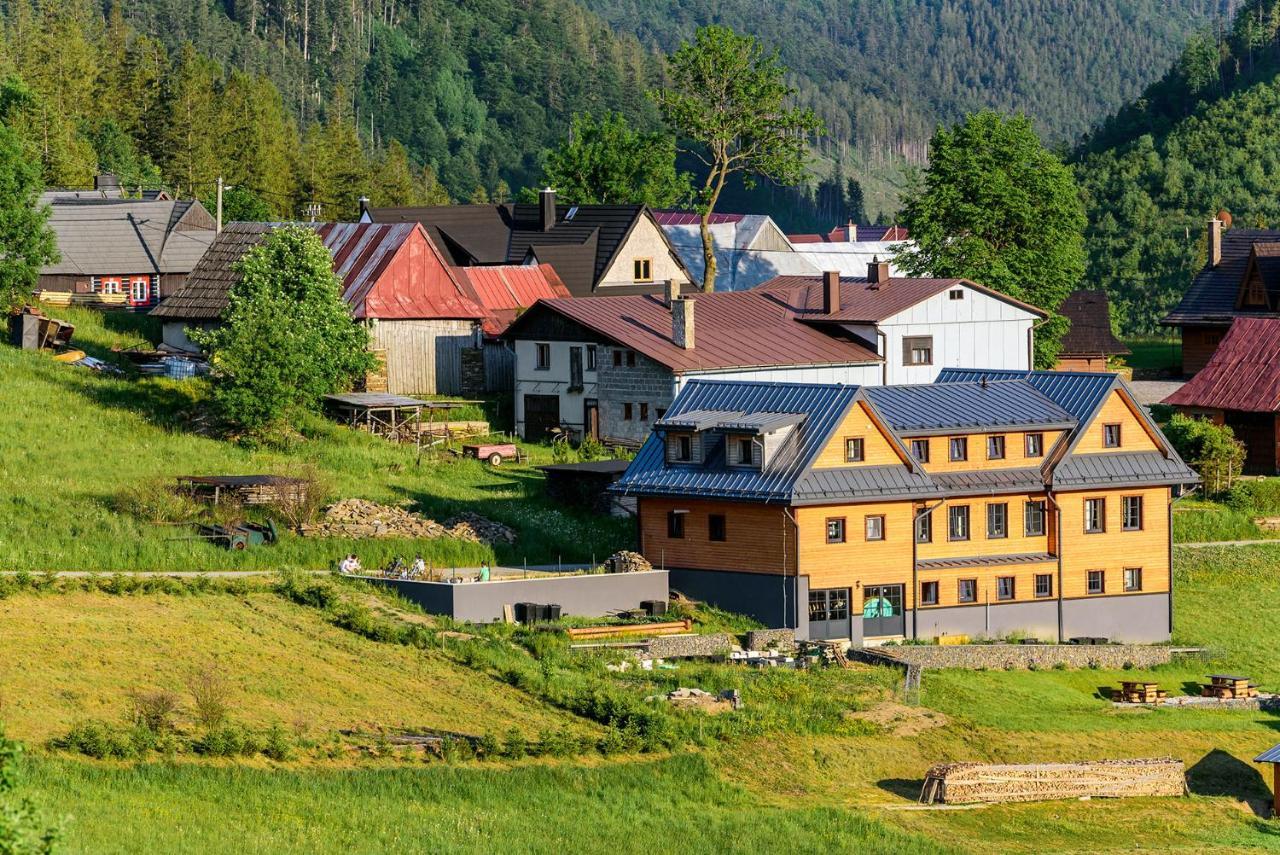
{"type": "Point", "coordinates": [26, 241]}
{"type": "Point", "coordinates": [606, 162]}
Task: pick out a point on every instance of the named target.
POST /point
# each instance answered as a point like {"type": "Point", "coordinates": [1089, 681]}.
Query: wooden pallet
{"type": "Point", "coordinates": [667, 628]}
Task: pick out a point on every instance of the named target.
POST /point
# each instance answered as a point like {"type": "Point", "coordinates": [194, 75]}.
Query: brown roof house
{"type": "Point", "coordinates": [127, 253]}
{"type": "Point", "coordinates": [610, 366]}
{"type": "Point", "coordinates": [1090, 343]}
{"type": "Point", "coordinates": [1241, 278]}
{"type": "Point", "coordinates": [394, 280]}
{"type": "Point", "coordinates": [595, 249]}
{"type": "Point", "coordinates": [1240, 387]}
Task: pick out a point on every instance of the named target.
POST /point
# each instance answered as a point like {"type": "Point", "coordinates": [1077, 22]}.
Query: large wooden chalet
{"type": "Point", "coordinates": [987, 503]}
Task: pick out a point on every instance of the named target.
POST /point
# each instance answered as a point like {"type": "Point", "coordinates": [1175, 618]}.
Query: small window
{"type": "Point", "coordinates": [631, 359]}
{"type": "Point", "coordinates": [835, 530]}
{"type": "Point", "coordinates": [1033, 519]}
{"type": "Point", "coordinates": [875, 527]}
{"type": "Point", "coordinates": [746, 451]}
{"type": "Point", "coordinates": [591, 357]}
{"type": "Point", "coordinates": [1132, 508]}
{"type": "Point", "coordinates": [1005, 588]}
{"type": "Point", "coordinates": [1034, 445]}
{"type": "Point", "coordinates": [626, 412]}
{"type": "Point", "coordinates": [924, 528]}
{"type": "Point", "coordinates": [617, 359]}
{"type": "Point", "coordinates": [967, 590]}
{"type": "Point", "coordinates": [1097, 582]}
{"type": "Point", "coordinates": [1095, 516]}
{"type": "Point", "coordinates": [956, 294]}
{"type": "Point", "coordinates": [675, 525]}
{"type": "Point", "coordinates": [1133, 578]}
{"type": "Point", "coordinates": [920, 450]}
{"type": "Point", "coordinates": [958, 522]}
{"type": "Point", "coordinates": [643, 270]}
{"type": "Point", "coordinates": [543, 351]}
{"type": "Point", "coordinates": [1111, 436]}
{"type": "Point", "coordinates": [995, 448]}
{"type": "Point", "coordinates": [1044, 585]}
{"type": "Point", "coordinates": [716, 528]}
{"type": "Point", "coordinates": [854, 450]}
{"type": "Point", "coordinates": [997, 521]}
{"type": "Point", "coordinates": [928, 593]}
{"type": "Point", "coordinates": [959, 447]}
{"type": "Point", "coordinates": [644, 412]}
{"type": "Point", "coordinates": [917, 350]}
{"type": "Point", "coordinates": [684, 449]}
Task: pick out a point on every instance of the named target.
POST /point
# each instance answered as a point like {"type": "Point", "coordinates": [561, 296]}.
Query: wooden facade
{"type": "Point", "coordinates": [1198, 346]}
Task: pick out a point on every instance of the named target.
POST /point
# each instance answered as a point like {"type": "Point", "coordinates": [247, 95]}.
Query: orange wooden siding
{"type": "Point", "coordinates": [1115, 549]}
{"type": "Point", "coordinates": [1015, 452]}
{"type": "Point", "coordinates": [1134, 433]}
{"type": "Point", "coordinates": [840, 565]}
{"type": "Point", "coordinates": [758, 538]}
{"type": "Point", "coordinates": [978, 544]}
{"type": "Point", "coordinates": [878, 449]}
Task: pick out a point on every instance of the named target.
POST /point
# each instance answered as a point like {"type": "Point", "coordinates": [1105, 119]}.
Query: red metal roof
{"type": "Point", "coordinates": [840, 234]}
{"type": "Point", "coordinates": [394, 271]}
{"type": "Point", "coordinates": [1243, 374]}
{"type": "Point", "coordinates": [862, 303]}
{"type": "Point", "coordinates": [502, 291]}
{"type": "Point", "coordinates": [732, 329]}
{"type": "Point", "coordinates": [673, 217]}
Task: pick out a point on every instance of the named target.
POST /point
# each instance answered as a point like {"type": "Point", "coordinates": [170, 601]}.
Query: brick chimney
{"type": "Point", "coordinates": [682, 322]}
{"type": "Point", "coordinates": [878, 273]}
{"type": "Point", "coordinates": [830, 292]}
{"type": "Point", "coordinates": [547, 209]}
{"type": "Point", "coordinates": [672, 291]}
{"type": "Point", "coordinates": [1215, 242]}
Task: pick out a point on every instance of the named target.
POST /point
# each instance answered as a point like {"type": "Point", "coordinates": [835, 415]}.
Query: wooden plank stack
{"type": "Point", "coordinates": [1228, 687]}
{"type": "Point", "coordinates": [973, 783]}
{"type": "Point", "coordinates": [608, 630]}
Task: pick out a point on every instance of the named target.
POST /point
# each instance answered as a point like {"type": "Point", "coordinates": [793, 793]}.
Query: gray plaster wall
{"type": "Point", "coordinates": [1130, 618]}
{"type": "Point", "coordinates": [646, 382]}
{"type": "Point", "coordinates": [775, 601]}
{"type": "Point", "coordinates": [997, 620]}
{"type": "Point", "coordinates": [586, 596]}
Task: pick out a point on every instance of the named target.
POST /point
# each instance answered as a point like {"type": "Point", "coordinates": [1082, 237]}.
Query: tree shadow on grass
{"type": "Point", "coordinates": [907, 788]}
{"type": "Point", "coordinates": [1219, 773]}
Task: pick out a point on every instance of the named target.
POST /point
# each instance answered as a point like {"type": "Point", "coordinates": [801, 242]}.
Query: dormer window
{"type": "Point", "coordinates": [1111, 436]}
{"type": "Point", "coordinates": [745, 448]}
{"type": "Point", "coordinates": [854, 450]}
{"type": "Point", "coordinates": [683, 448]}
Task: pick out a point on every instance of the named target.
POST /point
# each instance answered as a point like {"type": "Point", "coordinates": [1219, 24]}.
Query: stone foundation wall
{"type": "Point", "coordinates": [1040, 657]}
{"type": "Point", "coordinates": [766, 639]}
{"type": "Point", "coordinates": [684, 646]}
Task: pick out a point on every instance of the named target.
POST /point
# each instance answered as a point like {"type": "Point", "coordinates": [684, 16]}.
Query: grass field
{"type": "Point", "coordinates": [72, 441]}
{"type": "Point", "coordinates": [1154, 354]}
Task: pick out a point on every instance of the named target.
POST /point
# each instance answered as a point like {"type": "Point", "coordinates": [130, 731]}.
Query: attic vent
{"type": "Point", "coordinates": [572, 213]}
{"type": "Point", "coordinates": [956, 294]}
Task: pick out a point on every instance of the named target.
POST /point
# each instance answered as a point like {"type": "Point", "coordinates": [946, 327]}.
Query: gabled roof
{"type": "Point", "coordinates": [362, 254]}
{"type": "Point", "coordinates": [854, 233]}
{"type": "Point", "coordinates": [1090, 333]}
{"type": "Point", "coordinates": [750, 250]}
{"type": "Point", "coordinates": [121, 236]}
{"type": "Point", "coordinates": [1080, 393]}
{"type": "Point", "coordinates": [1243, 374]}
{"type": "Point", "coordinates": [744, 329]}
{"type": "Point", "coordinates": [862, 302]}
{"type": "Point", "coordinates": [960, 407]}
{"type": "Point", "coordinates": [505, 291]}
{"type": "Point", "coordinates": [1212, 297]}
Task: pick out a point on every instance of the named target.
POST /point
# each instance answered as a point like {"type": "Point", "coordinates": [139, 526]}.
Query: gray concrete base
{"type": "Point", "coordinates": [1133, 618]}
{"type": "Point", "coordinates": [772, 600]}
{"type": "Point", "coordinates": [997, 620]}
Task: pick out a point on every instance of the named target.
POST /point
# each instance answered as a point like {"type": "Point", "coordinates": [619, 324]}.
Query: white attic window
{"type": "Point", "coordinates": [956, 294]}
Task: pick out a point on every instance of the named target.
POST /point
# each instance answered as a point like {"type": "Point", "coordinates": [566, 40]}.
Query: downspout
{"type": "Point", "coordinates": [1173, 499]}
{"type": "Point", "coordinates": [915, 570]}
{"type": "Point", "coordinates": [787, 511]}
{"type": "Point", "coordinates": [884, 354]}
{"type": "Point", "coordinates": [1057, 534]}
{"type": "Point", "coordinates": [1031, 344]}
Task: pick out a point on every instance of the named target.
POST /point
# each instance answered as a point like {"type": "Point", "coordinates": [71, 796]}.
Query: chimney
{"type": "Point", "coordinates": [878, 273]}
{"type": "Point", "coordinates": [682, 322]}
{"type": "Point", "coordinates": [364, 210]}
{"type": "Point", "coordinates": [830, 292]}
{"type": "Point", "coordinates": [547, 209]}
{"type": "Point", "coordinates": [851, 231]}
{"type": "Point", "coordinates": [1215, 242]}
{"type": "Point", "coordinates": [672, 291]}
{"type": "Point", "coordinates": [106, 181]}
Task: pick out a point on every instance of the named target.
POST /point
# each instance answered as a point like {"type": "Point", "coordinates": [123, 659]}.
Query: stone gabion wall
{"type": "Point", "coordinates": [974, 657]}
{"type": "Point", "coordinates": [678, 646]}
{"type": "Point", "coordinates": [770, 639]}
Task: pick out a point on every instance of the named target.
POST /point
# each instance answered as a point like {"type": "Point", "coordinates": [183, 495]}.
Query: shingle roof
{"type": "Point", "coordinates": [129, 236]}
{"type": "Point", "coordinates": [362, 253]}
{"type": "Point", "coordinates": [1212, 296]}
{"type": "Point", "coordinates": [504, 291]}
{"type": "Point", "coordinates": [953, 407]}
{"type": "Point", "coordinates": [745, 329]}
{"type": "Point", "coordinates": [1243, 374]}
{"type": "Point", "coordinates": [863, 302]}
{"type": "Point", "coordinates": [1090, 333]}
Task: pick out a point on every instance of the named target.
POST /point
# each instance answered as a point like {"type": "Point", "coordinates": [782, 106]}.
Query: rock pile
{"type": "Point", "coordinates": [698, 699]}
{"type": "Point", "coordinates": [362, 518]}
{"type": "Point", "coordinates": [625, 561]}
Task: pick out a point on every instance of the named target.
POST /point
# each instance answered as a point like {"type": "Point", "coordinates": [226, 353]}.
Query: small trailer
{"type": "Point", "coordinates": [239, 536]}
{"type": "Point", "coordinates": [494, 453]}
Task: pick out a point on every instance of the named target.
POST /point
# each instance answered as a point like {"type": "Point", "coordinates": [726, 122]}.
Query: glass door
{"type": "Point", "coordinates": [882, 611]}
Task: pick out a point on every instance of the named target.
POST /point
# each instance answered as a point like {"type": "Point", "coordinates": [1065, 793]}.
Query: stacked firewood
{"type": "Point", "coordinates": [968, 783]}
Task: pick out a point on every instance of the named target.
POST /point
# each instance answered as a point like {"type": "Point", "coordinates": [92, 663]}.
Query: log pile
{"type": "Point", "coordinates": [362, 518]}
{"type": "Point", "coordinates": [625, 561]}
{"type": "Point", "coordinates": [970, 783]}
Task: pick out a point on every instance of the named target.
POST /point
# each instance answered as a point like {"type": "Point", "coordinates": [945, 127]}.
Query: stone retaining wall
{"type": "Point", "coordinates": [1041, 657]}
{"type": "Point", "coordinates": [680, 646]}
{"type": "Point", "coordinates": [771, 639]}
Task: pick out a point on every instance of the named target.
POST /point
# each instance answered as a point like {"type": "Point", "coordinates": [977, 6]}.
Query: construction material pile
{"type": "Point", "coordinates": [970, 783]}
{"type": "Point", "coordinates": [698, 699]}
{"type": "Point", "coordinates": [362, 518]}
{"type": "Point", "coordinates": [625, 561]}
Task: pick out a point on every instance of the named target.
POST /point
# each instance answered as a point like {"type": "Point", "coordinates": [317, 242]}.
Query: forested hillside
{"type": "Point", "coordinates": [1202, 139]}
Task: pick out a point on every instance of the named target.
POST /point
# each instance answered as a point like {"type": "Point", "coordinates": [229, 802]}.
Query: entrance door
{"type": "Point", "coordinates": [829, 613]}
{"type": "Point", "coordinates": [541, 416]}
{"type": "Point", "coordinates": [882, 611]}
{"type": "Point", "coordinates": [591, 418]}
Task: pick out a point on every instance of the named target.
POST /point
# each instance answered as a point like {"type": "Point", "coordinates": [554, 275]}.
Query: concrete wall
{"type": "Point", "coordinates": [529, 380]}
{"type": "Point", "coordinates": [174, 334]}
{"type": "Point", "coordinates": [647, 382]}
{"type": "Point", "coordinates": [1038, 619]}
{"type": "Point", "coordinates": [1131, 618]}
{"type": "Point", "coordinates": [585, 596]}
{"type": "Point", "coordinates": [770, 599]}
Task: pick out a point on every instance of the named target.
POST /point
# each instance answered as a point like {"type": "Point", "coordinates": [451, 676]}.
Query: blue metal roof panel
{"type": "Point", "coordinates": [1271, 755]}
{"type": "Point", "coordinates": [967, 406]}
{"type": "Point", "coordinates": [1077, 392]}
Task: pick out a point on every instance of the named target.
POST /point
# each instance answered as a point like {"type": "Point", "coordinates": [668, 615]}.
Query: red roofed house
{"type": "Point", "coordinates": [394, 279]}
{"type": "Point", "coordinates": [1240, 387]}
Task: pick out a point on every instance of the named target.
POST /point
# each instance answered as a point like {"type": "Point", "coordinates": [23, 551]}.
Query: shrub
{"type": "Point", "coordinates": [278, 745]}
{"type": "Point", "coordinates": [515, 746]}
{"type": "Point", "coordinates": [1212, 450]}
{"type": "Point", "coordinates": [302, 505]}
{"type": "Point", "coordinates": [591, 449]}
{"type": "Point", "coordinates": [155, 710]}
{"type": "Point", "coordinates": [1261, 496]}
{"type": "Point", "coordinates": [209, 693]}
{"type": "Point", "coordinates": [488, 747]}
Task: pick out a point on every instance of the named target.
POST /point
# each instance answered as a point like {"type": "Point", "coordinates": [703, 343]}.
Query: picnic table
{"type": "Point", "coordinates": [1229, 687]}
{"type": "Point", "coordinates": [1141, 692]}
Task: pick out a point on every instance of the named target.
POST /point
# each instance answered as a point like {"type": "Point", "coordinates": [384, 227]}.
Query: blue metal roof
{"type": "Point", "coordinates": [1121, 468]}
{"type": "Point", "coordinates": [967, 406]}
{"type": "Point", "coordinates": [1271, 755]}
{"type": "Point", "coordinates": [1078, 392]}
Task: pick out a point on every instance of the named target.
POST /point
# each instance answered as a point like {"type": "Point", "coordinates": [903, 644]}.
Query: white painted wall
{"type": "Point", "coordinates": [647, 240]}
{"type": "Point", "coordinates": [979, 331]}
{"type": "Point", "coordinates": [531, 381]}
{"type": "Point", "coordinates": [849, 375]}
{"type": "Point", "coordinates": [174, 334]}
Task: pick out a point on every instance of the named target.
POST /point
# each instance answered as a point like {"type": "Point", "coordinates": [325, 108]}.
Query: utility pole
{"type": "Point", "coordinates": [219, 215]}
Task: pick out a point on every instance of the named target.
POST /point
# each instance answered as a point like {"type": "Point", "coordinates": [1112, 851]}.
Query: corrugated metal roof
{"type": "Point", "coordinates": [820, 486]}
{"type": "Point", "coordinates": [503, 291]}
{"type": "Point", "coordinates": [967, 406]}
{"type": "Point", "coordinates": [1271, 755]}
{"type": "Point", "coordinates": [854, 233]}
{"type": "Point", "coordinates": [1122, 468]}
{"type": "Point", "coordinates": [1212, 295]}
{"type": "Point", "coordinates": [1243, 374]}
{"type": "Point", "coordinates": [1078, 392]}
{"type": "Point", "coordinates": [1010, 560]}
{"type": "Point", "coordinates": [990, 481]}
{"type": "Point", "coordinates": [671, 217]}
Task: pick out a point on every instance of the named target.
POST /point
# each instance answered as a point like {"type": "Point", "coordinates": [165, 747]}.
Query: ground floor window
{"type": "Point", "coordinates": [967, 590]}
{"type": "Point", "coordinates": [928, 593]}
{"type": "Point", "coordinates": [675, 524]}
{"type": "Point", "coordinates": [1044, 585]}
{"type": "Point", "coordinates": [1097, 583]}
{"type": "Point", "coordinates": [1133, 579]}
{"type": "Point", "coordinates": [716, 527]}
{"type": "Point", "coordinates": [1005, 588]}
